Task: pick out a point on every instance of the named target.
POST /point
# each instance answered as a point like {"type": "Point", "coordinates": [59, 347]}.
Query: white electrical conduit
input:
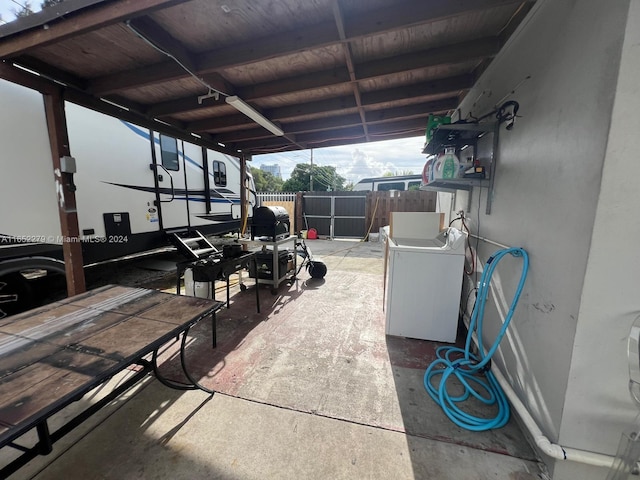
{"type": "Point", "coordinates": [551, 449]}
{"type": "Point", "coordinates": [489, 241]}
{"type": "Point", "coordinates": [542, 442]}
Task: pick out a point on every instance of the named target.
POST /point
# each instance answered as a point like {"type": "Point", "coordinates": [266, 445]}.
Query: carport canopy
{"type": "Point", "coordinates": [323, 72]}
{"type": "Point", "coordinates": [248, 77]}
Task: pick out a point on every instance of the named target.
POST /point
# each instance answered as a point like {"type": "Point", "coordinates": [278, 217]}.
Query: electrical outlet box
{"type": "Point", "coordinates": [68, 164]}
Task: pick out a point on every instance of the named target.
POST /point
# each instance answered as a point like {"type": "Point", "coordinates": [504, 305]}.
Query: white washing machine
{"type": "Point", "coordinates": [424, 286]}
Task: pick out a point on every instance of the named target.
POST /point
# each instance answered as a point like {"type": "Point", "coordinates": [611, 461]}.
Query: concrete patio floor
{"type": "Point", "coordinates": [311, 388]}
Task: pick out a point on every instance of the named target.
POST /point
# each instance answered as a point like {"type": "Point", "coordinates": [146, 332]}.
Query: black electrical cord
{"type": "Point", "coordinates": [468, 244]}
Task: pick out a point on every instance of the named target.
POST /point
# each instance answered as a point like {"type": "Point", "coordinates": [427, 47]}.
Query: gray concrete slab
{"type": "Point", "coordinates": [311, 388]}
{"type": "Point", "coordinates": [163, 434]}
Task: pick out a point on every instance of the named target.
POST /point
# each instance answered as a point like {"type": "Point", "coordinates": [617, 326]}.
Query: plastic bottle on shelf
{"type": "Point", "coordinates": [427, 171]}
{"type": "Point", "coordinates": [447, 165]}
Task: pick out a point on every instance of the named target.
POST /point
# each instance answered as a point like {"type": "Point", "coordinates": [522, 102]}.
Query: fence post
{"type": "Point", "coordinates": [298, 208]}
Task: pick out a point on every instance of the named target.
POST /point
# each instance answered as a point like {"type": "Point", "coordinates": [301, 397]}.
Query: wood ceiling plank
{"type": "Point", "coordinates": [450, 54]}
{"type": "Point", "coordinates": [414, 13]}
{"type": "Point", "coordinates": [430, 88]}
{"type": "Point", "coordinates": [94, 18]}
{"type": "Point", "coordinates": [307, 82]}
{"type": "Point", "coordinates": [344, 122]}
{"type": "Point", "coordinates": [167, 71]}
{"type": "Point", "coordinates": [153, 33]}
{"type": "Point", "coordinates": [244, 53]}
{"type": "Point", "coordinates": [411, 111]}
{"type": "Point", "coordinates": [216, 60]}
{"type": "Point", "coordinates": [298, 83]}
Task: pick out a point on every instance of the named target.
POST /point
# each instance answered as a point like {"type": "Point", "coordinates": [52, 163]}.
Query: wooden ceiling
{"type": "Point", "coordinates": [327, 72]}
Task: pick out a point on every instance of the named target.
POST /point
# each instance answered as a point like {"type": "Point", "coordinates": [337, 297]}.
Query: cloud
{"type": "Point", "coordinates": [355, 162]}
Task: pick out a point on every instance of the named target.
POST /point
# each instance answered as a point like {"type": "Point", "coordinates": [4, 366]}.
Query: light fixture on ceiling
{"type": "Point", "coordinates": [254, 115]}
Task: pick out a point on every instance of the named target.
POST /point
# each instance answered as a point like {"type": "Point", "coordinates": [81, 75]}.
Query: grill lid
{"type": "Point", "coordinates": [270, 216]}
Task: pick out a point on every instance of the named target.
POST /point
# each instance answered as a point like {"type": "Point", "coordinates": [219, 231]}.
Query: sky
{"type": "Point", "coordinates": [8, 6]}
{"type": "Point", "coordinates": [353, 162]}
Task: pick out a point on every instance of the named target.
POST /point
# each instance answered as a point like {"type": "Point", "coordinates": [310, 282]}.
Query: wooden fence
{"type": "Point", "coordinates": [381, 204]}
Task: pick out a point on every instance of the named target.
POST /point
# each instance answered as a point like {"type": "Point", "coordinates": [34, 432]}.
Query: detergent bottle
{"type": "Point", "coordinates": [447, 165]}
{"type": "Point", "coordinates": [427, 172]}
{"type": "Point", "coordinates": [450, 164]}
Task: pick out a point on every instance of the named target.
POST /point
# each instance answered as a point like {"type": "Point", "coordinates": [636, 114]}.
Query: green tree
{"type": "Point", "coordinates": [50, 3]}
{"type": "Point", "coordinates": [324, 178]}
{"type": "Point", "coordinates": [24, 11]}
{"type": "Point", "coordinates": [265, 181]}
{"type": "Point", "coordinates": [394, 174]}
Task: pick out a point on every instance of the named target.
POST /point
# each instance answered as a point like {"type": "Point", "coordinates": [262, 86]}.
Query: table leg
{"type": "Point", "coordinates": [214, 331]}
{"type": "Point", "coordinates": [255, 264]}
{"type": "Point", "coordinates": [275, 269]}
{"type": "Point", "coordinates": [45, 444]}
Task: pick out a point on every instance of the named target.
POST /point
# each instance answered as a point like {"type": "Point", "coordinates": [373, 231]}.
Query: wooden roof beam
{"type": "Point", "coordinates": [153, 33]}
{"type": "Point", "coordinates": [345, 121]}
{"type": "Point", "coordinates": [411, 13]}
{"type": "Point", "coordinates": [401, 129]}
{"type": "Point", "coordinates": [348, 56]}
{"type": "Point", "coordinates": [387, 19]}
{"type": "Point", "coordinates": [82, 22]}
{"type": "Point", "coordinates": [215, 60]}
{"type": "Point", "coordinates": [449, 54]}
{"type": "Point", "coordinates": [50, 72]}
{"type": "Point", "coordinates": [444, 86]}
{"type": "Point", "coordinates": [478, 49]}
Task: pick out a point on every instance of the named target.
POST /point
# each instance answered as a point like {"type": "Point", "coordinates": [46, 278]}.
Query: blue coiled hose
{"type": "Point", "coordinates": [474, 371]}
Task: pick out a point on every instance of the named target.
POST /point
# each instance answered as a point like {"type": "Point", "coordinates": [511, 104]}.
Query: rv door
{"type": "Point", "coordinates": [170, 181]}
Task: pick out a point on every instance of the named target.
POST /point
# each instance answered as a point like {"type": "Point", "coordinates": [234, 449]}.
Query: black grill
{"type": "Point", "coordinates": [270, 222]}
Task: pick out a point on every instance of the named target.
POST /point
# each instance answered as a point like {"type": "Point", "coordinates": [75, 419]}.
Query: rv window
{"type": "Point", "coordinates": [414, 186]}
{"type": "Point", "coordinates": [169, 152]}
{"type": "Point", "coordinates": [219, 174]}
{"type": "Point", "coordinates": [384, 187]}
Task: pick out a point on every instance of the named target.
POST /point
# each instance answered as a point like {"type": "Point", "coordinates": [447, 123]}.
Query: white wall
{"type": "Point", "coordinates": [563, 64]}
{"type": "Point", "coordinates": [598, 406]}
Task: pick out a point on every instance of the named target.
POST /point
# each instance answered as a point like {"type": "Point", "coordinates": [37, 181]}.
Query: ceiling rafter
{"type": "Point", "coordinates": [335, 137]}
{"type": "Point", "coordinates": [361, 73]}
{"type": "Point", "coordinates": [423, 90]}
{"type": "Point", "coordinates": [97, 16]}
{"type": "Point", "coordinates": [348, 57]}
{"type": "Point", "coordinates": [162, 40]}
{"type": "Point", "coordinates": [445, 86]}
{"type": "Point", "coordinates": [350, 120]}
{"type": "Point", "coordinates": [290, 42]}
{"type": "Point", "coordinates": [481, 48]}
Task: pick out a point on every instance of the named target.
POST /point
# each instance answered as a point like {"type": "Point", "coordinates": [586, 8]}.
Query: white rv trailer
{"type": "Point", "coordinates": [133, 187]}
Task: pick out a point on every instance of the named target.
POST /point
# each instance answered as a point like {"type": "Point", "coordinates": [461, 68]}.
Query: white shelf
{"type": "Point", "coordinates": [456, 184]}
